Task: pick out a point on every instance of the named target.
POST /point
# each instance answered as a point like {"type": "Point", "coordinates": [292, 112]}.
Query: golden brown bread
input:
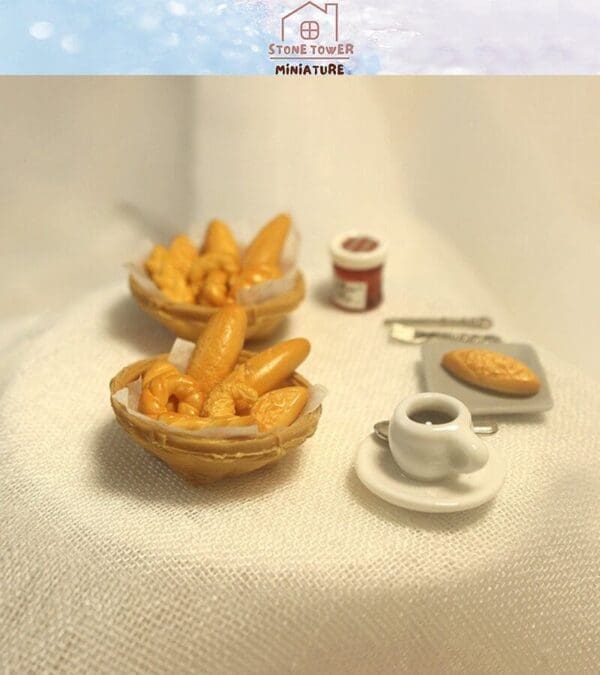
{"type": "Point", "coordinates": [492, 370]}
{"type": "Point", "coordinates": [218, 348]}
{"type": "Point", "coordinates": [214, 275]}
{"type": "Point", "coordinates": [279, 407]}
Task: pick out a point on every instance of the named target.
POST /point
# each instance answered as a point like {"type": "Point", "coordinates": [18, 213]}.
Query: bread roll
{"type": "Point", "coordinates": [492, 370]}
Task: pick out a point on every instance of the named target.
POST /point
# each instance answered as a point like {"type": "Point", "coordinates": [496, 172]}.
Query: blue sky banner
{"type": "Point", "coordinates": [294, 38]}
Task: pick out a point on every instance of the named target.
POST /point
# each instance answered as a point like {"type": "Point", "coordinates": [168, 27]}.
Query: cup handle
{"type": "Point", "coordinates": [467, 452]}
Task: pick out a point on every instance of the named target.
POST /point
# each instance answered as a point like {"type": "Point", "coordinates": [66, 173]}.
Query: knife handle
{"type": "Point", "coordinates": [459, 337]}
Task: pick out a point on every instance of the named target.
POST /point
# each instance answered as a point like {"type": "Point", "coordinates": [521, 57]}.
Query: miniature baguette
{"type": "Point", "coordinates": [219, 239]}
{"type": "Point", "coordinates": [492, 370]}
{"type": "Point", "coordinates": [267, 246]}
{"type": "Point", "coordinates": [219, 347]}
{"type": "Point", "coordinates": [270, 368]}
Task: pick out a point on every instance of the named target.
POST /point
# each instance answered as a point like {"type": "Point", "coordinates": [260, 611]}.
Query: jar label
{"type": "Point", "coordinates": [350, 294]}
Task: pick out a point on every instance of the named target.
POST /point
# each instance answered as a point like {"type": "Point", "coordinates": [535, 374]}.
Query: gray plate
{"type": "Point", "coordinates": [479, 401]}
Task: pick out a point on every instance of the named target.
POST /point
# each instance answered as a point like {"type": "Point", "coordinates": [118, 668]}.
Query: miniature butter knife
{"type": "Point", "coordinates": [466, 322]}
{"type": "Point", "coordinates": [411, 335]}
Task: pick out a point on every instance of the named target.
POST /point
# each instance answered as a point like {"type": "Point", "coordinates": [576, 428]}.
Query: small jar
{"type": "Point", "coordinates": [358, 260]}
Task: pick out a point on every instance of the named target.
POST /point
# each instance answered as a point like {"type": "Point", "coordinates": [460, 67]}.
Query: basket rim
{"type": "Point", "coordinates": [178, 440]}
{"type": "Point", "coordinates": [283, 303]}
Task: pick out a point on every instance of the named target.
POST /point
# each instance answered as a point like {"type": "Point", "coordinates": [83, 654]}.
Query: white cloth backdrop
{"type": "Point", "coordinates": [110, 563]}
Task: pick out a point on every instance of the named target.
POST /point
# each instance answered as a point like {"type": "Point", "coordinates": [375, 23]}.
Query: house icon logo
{"type": "Point", "coordinates": [309, 42]}
{"type": "Point", "coordinates": [311, 22]}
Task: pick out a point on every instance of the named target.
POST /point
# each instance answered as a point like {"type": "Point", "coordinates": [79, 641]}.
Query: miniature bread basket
{"type": "Point", "coordinates": [204, 459]}
{"type": "Point", "coordinates": [188, 321]}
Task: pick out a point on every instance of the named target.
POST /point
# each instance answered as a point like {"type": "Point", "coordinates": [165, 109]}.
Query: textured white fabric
{"type": "Point", "coordinates": [110, 563]}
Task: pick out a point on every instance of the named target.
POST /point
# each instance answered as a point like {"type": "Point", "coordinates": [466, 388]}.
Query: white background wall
{"type": "Point", "coordinates": [505, 168]}
{"type": "Point", "coordinates": [74, 152]}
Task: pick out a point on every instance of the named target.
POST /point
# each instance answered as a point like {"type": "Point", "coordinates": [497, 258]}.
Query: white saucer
{"type": "Point", "coordinates": [378, 471]}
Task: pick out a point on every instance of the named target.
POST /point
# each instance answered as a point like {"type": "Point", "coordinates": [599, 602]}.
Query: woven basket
{"type": "Point", "coordinates": [188, 321]}
{"type": "Point", "coordinates": [203, 460]}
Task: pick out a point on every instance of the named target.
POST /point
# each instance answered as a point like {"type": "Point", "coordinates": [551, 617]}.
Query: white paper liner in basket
{"type": "Point", "coordinates": [179, 356]}
{"type": "Point", "coordinates": [246, 296]}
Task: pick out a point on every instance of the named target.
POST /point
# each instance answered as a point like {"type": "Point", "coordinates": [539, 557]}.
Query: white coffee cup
{"type": "Point", "coordinates": [431, 437]}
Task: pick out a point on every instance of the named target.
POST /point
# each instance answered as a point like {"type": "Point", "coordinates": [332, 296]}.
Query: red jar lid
{"type": "Point", "coordinates": [356, 250]}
